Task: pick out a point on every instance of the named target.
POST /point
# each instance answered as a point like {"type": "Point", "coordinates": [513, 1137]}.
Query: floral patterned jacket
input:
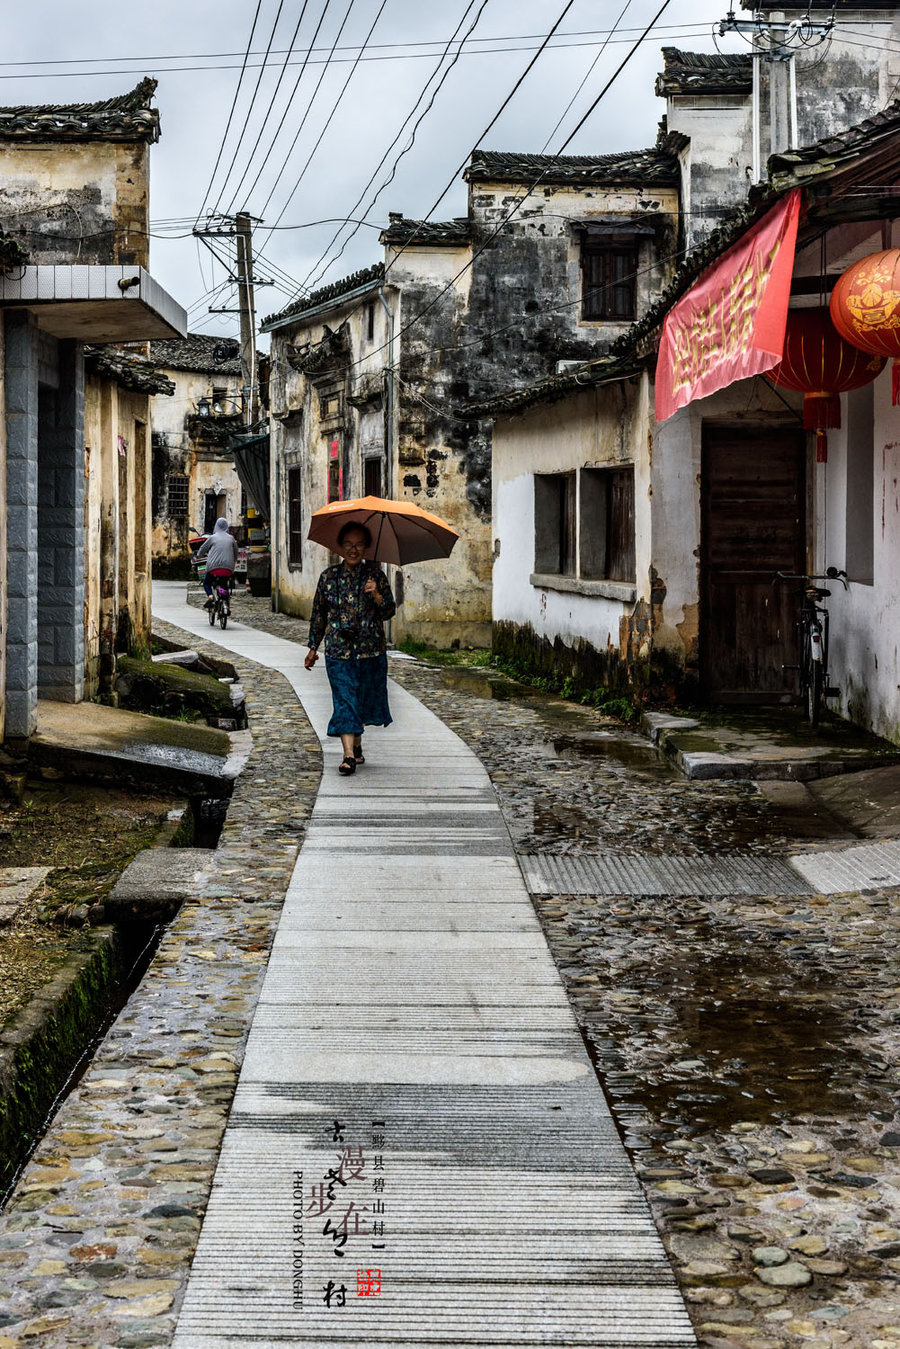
{"type": "Point", "coordinates": [350, 621]}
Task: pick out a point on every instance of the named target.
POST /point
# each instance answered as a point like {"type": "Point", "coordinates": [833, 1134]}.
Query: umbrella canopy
{"type": "Point", "coordinates": [401, 533]}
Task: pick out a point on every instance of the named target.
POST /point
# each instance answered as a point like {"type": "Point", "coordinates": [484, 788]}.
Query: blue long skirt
{"type": "Point", "coordinates": [359, 694]}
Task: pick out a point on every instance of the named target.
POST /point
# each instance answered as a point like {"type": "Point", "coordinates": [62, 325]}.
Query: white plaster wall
{"type": "Point", "coordinates": [568, 435]}
{"type": "Point", "coordinates": [865, 621]}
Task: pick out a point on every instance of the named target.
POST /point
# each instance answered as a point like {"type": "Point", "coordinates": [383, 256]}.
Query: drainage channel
{"type": "Point", "coordinates": [51, 1042]}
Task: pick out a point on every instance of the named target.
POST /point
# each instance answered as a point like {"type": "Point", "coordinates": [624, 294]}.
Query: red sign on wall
{"type": "Point", "coordinates": [730, 324]}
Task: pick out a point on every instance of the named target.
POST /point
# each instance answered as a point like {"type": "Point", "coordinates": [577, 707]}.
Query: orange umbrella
{"type": "Point", "coordinates": [401, 532]}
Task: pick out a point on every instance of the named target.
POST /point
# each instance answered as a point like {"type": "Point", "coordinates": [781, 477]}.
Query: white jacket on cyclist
{"type": "Point", "coordinates": [220, 549]}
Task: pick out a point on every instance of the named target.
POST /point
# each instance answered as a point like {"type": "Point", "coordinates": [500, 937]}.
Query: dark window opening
{"type": "Point", "coordinates": [213, 510]}
{"type": "Point", "coordinates": [372, 476]}
{"type": "Point", "coordinates": [295, 520]}
{"type": "Point", "coordinates": [177, 495]}
{"type": "Point", "coordinates": [370, 323]}
{"type": "Point", "coordinates": [335, 472]}
{"type": "Point", "coordinates": [554, 523]}
{"type": "Point", "coordinates": [609, 276]}
{"type": "Point", "coordinates": [606, 519]}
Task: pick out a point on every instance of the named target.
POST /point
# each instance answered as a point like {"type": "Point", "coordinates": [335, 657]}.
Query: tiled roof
{"type": "Point", "coordinates": [198, 351]}
{"type": "Point", "coordinates": [704, 73]}
{"type": "Point", "coordinates": [792, 167]}
{"type": "Point", "coordinates": [128, 369]}
{"type": "Point", "coordinates": [654, 167]}
{"type": "Point", "coordinates": [551, 390]}
{"type": "Point", "coordinates": [368, 276]}
{"type": "Point", "coordinates": [127, 117]}
{"type": "Point", "coordinates": [447, 232]}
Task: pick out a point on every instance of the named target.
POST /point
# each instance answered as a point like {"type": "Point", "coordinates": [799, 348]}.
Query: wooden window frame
{"type": "Point", "coordinates": [294, 497]}
{"type": "Point", "coordinates": [606, 534]}
{"type": "Point", "coordinates": [609, 265]}
{"type": "Point", "coordinates": [178, 485]}
{"type": "Point", "coordinates": [554, 524]}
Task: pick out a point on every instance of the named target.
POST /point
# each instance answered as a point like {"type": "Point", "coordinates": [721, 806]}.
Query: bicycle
{"type": "Point", "coordinates": [220, 608]}
{"type": "Point", "coordinates": [813, 625]}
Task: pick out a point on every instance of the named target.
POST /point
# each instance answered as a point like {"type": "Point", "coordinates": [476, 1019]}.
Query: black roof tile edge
{"type": "Point", "coordinates": [125, 117]}
{"type": "Point", "coordinates": [367, 276]}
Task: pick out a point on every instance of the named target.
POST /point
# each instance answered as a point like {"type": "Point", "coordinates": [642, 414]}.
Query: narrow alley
{"type": "Point", "coordinates": [408, 958]}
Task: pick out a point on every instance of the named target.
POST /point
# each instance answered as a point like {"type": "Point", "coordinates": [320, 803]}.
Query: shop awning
{"type": "Point", "coordinates": [730, 324]}
{"type": "Point", "coordinates": [251, 463]}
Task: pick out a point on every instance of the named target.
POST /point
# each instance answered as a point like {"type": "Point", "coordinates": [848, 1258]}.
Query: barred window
{"type": "Point", "coordinates": [177, 496]}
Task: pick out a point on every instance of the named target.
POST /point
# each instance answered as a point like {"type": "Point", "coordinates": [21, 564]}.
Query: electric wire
{"type": "Point", "coordinates": [590, 71]}
{"type": "Point", "coordinates": [249, 112]}
{"type": "Point", "coordinates": [321, 135]}
{"type": "Point", "coordinates": [695, 30]}
{"type": "Point", "coordinates": [518, 84]}
{"type": "Point", "coordinates": [415, 318]}
{"type": "Point", "coordinates": [237, 91]}
{"type": "Point", "coordinates": [280, 51]}
{"type": "Point", "coordinates": [281, 76]}
{"type": "Point", "coordinates": [293, 93]}
{"type": "Point", "coordinates": [321, 263]}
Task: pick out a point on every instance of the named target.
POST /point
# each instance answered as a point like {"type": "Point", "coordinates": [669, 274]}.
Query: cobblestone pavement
{"type": "Point", "coordinates": [748, 1044]}
{"type": "Point", "coordinates": [97, 1239]}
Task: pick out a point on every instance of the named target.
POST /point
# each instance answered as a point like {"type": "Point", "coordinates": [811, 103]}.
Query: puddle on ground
{"type": "Point", "coordinates": [481, 685]}
{"type": "Point", "coordinates": [617, 752]}
{"type": "Point", "coordinates": [728, 1029]}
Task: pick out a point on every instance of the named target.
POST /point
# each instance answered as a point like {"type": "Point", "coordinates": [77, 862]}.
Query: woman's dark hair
{"type": "Point", "coordinates": [350, 525]}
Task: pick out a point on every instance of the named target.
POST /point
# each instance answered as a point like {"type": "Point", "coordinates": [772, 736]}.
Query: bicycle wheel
{"type": "Point", "coordinates": [223, 617]}
{"type": "Point", "coordinates": [814, 689]}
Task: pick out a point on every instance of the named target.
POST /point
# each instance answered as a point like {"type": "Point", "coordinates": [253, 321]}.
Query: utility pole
{"type": "Point", "coordinates": [776, 42]}
{"type": "Point", "coordinates": [247, 309]}
{"type": "Point", "coordinates": [239, 228]}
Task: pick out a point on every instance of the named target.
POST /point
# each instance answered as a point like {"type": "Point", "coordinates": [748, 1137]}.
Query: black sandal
{"type": "Point", "coordinates": [348, 766]}
{"type": "Point", "coordinates": [358, 756]}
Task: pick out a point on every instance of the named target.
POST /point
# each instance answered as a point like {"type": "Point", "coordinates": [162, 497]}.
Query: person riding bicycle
{"type": "Point", "coordinates": [220, 551]}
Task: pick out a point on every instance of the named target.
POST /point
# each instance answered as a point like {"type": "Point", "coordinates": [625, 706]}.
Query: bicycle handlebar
{"type": "Point", "coordinates": [831, 574]}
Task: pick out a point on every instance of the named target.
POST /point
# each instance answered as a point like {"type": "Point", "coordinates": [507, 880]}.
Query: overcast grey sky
{"type": "Point", "coordinates": [195, 49]}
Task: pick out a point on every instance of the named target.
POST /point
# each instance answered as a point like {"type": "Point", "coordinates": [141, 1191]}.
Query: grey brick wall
{"type": "Point", "coordinates": [61, 531]}
{"type": "Point", "coordinates": [22, 528]}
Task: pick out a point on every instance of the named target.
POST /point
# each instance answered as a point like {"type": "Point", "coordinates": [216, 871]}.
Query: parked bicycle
{"type": "Point", "coordinates": [220, 608]}
{"type": "Point", "coordinates": [813, 626]}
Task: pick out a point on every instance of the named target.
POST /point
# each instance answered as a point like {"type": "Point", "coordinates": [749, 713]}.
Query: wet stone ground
{"type": "Point", "coordinates": [748, 1046]}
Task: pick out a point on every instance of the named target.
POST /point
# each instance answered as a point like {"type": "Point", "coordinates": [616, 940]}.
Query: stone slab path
{"type": "Point", "coordinates": [418, 1150]}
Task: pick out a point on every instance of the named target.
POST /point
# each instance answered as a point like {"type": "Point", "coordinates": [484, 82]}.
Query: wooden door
{"type": "Point", "coordinates": [753, 524]}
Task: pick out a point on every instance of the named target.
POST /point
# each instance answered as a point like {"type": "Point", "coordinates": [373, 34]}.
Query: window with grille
{"type": "Point", "coordinates": [177, 495]}
{"type": "Point", "coordinates": [609, 275]}
{"type": "Point", "coordinates": [295, 521]}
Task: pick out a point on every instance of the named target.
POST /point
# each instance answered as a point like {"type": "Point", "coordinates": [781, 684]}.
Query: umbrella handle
{"type": "Point", "coordinates": [378, 540]}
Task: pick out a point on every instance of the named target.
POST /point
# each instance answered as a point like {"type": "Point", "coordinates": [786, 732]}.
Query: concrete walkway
{"type": "Point", "coordinates": [417, 1128]}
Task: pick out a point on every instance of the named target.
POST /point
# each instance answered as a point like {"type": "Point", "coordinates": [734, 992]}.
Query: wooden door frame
{"type": "Point", "coordinates": [746, 430]}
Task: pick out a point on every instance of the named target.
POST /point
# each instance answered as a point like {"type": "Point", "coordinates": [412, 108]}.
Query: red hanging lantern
{"type": "Point", "coordinates": [865, 307]}
{"type": "Point", "coordinates": [818, 363]}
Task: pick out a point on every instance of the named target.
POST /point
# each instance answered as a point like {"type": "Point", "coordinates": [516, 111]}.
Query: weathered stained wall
{"type": "Point", "coordinates": [596, 632]}
{"type": "Point", "coordinates": [510, 317]}
{"type": "Point", "coordinates": [3, 517]}
{"type": "Point", "coordinates": [117, 528]}
{"type": "Point", "coordinates": [176, 451]}
{"type": "Point", "coordinates": [865, 620]}
{"type": "Point", "coordinates": [84, 203]}
{"type": "Point", "coordinates": [342, 398]}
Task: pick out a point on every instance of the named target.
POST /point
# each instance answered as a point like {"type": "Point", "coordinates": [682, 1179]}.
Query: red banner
{"type": "Point", "coordinates": [730, 324]}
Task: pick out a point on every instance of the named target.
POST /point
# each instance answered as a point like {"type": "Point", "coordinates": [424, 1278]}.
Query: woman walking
{"type": "Point", "coordinates": [352, 602]}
